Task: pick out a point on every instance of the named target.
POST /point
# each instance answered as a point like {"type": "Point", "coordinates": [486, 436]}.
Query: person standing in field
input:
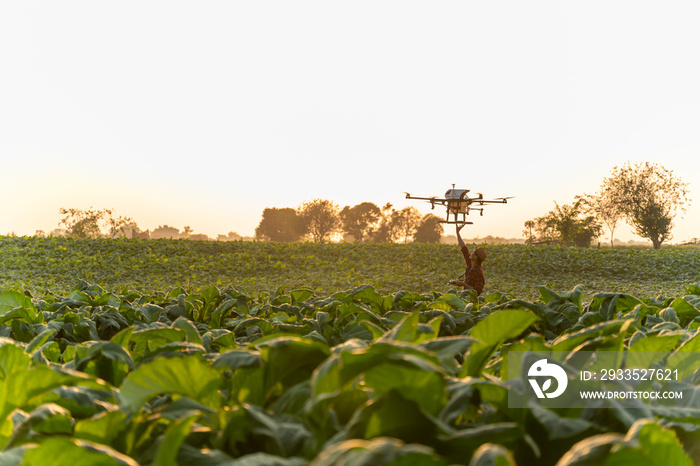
{"type": "Point", "coordinates": [473, 274]}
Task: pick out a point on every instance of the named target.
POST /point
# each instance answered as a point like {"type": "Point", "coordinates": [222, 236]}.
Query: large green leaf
{"type": "Point", "coordinates": [464, 443]}
{"type": "Point", "coordinates": [67, 451]}
{"type": "Point", "coordinates": [251, 429]}
{"type": "Point", "coordinates": [172, 439]}
{"type": "Point", "coordinates": [609, 304]}
{"type": "Point", "coordinates": [419, 384]}
{"type": "Point", "coordinates": [392, 415]}
{"type": "Point", "coordinates": [685, 359]}
{"type": "Point", "coordinates": [378, 452]}
{"type": "Point", "coordinates": [17, 390]}
{"type": "Point", "coordinates": [647, 443]}
{"type": "Point", "coordinates": [593, 450]}
{"type": "Point", "coordinates": [342, 368]}
{"type": "Point", "coordinates": [14, 299]}
{"type": "Point", "coordinates": [189, 328]}
{"type": "Point", "coordinates": [12, 358]}
{"type": "Point", "coordinates": [104, 359]}
{"type": "Point", "coordinates": [490, 333]}
{"type": "Point", "coordinates": [491, 454]}
{"type": "Point", "coordinates": [650, 350]}
{"type": "Point", "coordinates": [102, 428]}
{"type": "Point", "coordinates": [40, 339]}
{"type": "Point", "coordinates": [14, 456]}
{"type": "Point", "coordinates": [46, 419]}
{"type": "Point", "coordinates": [236, 359]}
{"type": "Point", "coordinates": [684, 309]}
{"type": "Point", "coordinates": [290, 360]}
{"type": "Point", "coordinates": [188, 376]}
{"type": "Point", "coordinates": [569, 341]}
{"type": "Point", "coordinates": [410, 329]}
{"type": "Point", "coordinates": [157, 337]}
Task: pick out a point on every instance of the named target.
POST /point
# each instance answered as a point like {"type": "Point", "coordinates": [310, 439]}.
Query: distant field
{"type": "Point", "coordinates": [57, 264]}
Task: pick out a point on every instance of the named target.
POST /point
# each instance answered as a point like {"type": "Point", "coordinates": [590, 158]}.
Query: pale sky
{"type": "Point", "coordinates": [205, 113]}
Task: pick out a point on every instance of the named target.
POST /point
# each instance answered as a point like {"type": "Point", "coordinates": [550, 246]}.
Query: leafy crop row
{"type": "Point", "coordinates": [222, 376]}
{"type": "Point", "coordinates": [53, 264]}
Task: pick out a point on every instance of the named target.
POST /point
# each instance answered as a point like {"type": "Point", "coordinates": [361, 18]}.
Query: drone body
{"type": "Point", "coordinates": [458, 204]}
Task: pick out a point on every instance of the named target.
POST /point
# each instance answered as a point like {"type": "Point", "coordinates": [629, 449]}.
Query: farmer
{"type": "Point", "coordinates": [473, 275]}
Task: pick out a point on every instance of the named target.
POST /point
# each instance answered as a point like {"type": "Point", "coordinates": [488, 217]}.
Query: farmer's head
{"type": "Point", "coordinates": [478, 256]}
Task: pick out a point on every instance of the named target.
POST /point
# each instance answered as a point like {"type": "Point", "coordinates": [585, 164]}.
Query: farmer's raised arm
{"type": "Point", "coordinates": [459, 237]}
{"type": "Point", "coordinates": [463, 247]}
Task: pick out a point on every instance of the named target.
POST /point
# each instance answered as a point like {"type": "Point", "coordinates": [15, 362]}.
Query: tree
{"type": "Point", "coordinates": [384, 233]}
{"type": "Point", "coordinates": [231, 236]}
{"type": "Point", "coordinates": [404, 223]}
{"type": "Point", "coordinates": [320, 218]}
{"type": "Point", "coordinates": [90, 223]}
{"type": "Point", "coordinates": [429, 230]}
{"type": "Point", "coordinates": [604, 206]}
{"type": "Point", "coordinates": [567, 224]}
{"type": "Point", "coordinates": [361, 220]}
{"type": "Point", "coordinates": [282, 225]}
{"type": "Point", "coordinates": [165, 231]}
{"type": "Point", "coordinates": [649, 196]}
{"type": "Point", "coordinates": [529, 225]}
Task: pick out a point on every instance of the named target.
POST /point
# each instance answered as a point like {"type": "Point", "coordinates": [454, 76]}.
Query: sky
{"type": "Point", "coordinates": [205, 113]}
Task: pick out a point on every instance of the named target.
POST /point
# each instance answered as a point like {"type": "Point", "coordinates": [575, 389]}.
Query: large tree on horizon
{"type": "Point", "coordinates": [360, 220]}
{"type": "Point", "coordinates": [429, 230]}
{"type": "Point", "coordinates": [282, 225]}
{"type": "Point", "coordinates": [404, 223]}
{"type": "Point", "coordinates": [320, 218]}
{"type": "Point", "coordinates": [649, 195]}
{"type": "Point", "coordinates": [566, 224]}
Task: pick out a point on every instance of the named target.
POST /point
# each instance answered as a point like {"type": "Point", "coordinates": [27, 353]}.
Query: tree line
{"type": "Point", "coordinates": [319, 220]}
{"type": "Point", "coordinates": [645, 195]}
{"type": "Point", "coordinates": [105, 223]}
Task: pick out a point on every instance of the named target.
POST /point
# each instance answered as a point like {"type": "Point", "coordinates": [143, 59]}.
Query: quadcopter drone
{"type": "Point", "coordinates": [458, 203]}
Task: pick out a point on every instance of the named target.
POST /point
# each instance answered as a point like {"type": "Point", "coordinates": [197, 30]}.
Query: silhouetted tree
{"type": "Point", "coordinates": [186, 232]}
{"type": "Point", "coordinates": [91, 223]}
{"type": "Point", "coordinates": [384, 233]}
{"type": "Point", "coordinates": [232, 236]}
{"type": "Point", "coordinates": [404, 223]}
{"type": "Point", "coordinates": [529, 225]}
{"type": "Point", "coordinates": [429, 230]}
{"type": "Point", "coordinates": [360, 220]}
{"type": "Point", "coordinates": [649, 196]}
{"type": "Point", "coordinates": [604, 207]}
{"type": "Point", "coordinates": [283, 225]}
{"type": "Point", "coordinates": [165, 231]}
{"type": "Point", "coordinates": [569, 225]}
{"type": "Point", "coordinates": [320, 218]}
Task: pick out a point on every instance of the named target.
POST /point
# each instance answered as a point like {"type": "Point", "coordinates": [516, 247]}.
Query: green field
{"type": "Point", "coordinates": [128, 352]}
{"type": "Point", "coordinates": [56, 264]}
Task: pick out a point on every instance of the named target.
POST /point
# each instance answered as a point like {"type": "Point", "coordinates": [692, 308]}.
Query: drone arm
{"type": "Point", "coordinates": [499, 201]}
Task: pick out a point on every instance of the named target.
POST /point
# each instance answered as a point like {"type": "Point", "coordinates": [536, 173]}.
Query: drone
{"type": "Point", "coordinates": [459, 204]}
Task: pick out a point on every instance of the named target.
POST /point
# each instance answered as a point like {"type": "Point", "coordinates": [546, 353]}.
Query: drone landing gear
{"type": "Point", "coordinates": [456, 222]}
